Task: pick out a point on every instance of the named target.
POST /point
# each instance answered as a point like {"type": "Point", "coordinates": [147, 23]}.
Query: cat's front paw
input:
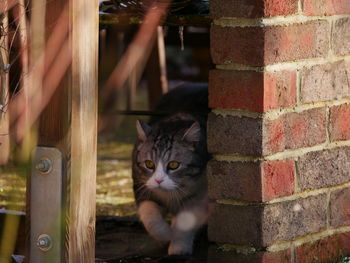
{"type": "Point", "coordinates": [161, 232]}
{"type": "Point", "coordinates": [180, 248]}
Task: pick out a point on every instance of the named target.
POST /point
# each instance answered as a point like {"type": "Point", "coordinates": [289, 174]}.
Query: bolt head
{"type": "Point", "coordinates": [44, 242]}
{"type": "Point", "coordinates": [44, 165]}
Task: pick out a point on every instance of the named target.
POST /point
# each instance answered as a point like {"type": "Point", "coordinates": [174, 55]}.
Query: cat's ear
{"type": "Point", "coordinates": [193, 133]}
{"type": "Point", "coordinates": [143, 130]}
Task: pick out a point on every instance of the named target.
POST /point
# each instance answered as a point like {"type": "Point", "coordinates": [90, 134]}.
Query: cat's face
{"type": "Point", "coordinates": [167, 157]}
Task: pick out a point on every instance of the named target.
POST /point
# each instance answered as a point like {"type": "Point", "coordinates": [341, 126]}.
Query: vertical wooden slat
{"type": "Point", "coordinates": [81, 203]}
{"type": "Point", "coordinates": [69, 123]}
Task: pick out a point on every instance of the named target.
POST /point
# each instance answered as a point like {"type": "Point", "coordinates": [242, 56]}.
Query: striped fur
{"type": "Point", "coordinates": [163, 191]}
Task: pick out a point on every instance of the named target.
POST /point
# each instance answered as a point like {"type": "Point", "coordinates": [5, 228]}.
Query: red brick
{"type": "Point", "coordinates": [216, 255]}
{"type": "Point", "coordinates": [340, 122]}
{"type": "Point", "coordinates": [258, 137]}
{"type": "Point", "coordinates": [236, 90]}
{"type": "Point", "coordinates": [340, 208]}
{"type": "Point", "coordinates": [258, 46]}
{"type": "Point", "coordinates": [325, 82]}
{"type": "Point", "coordinates": [265, 224]}
{"type": "Point", "coordinates": [324, 168]}
{"type": "Point", "coordinates": [298, 41]}
{"type": "Point", "coordinates": [250, 90]}
{"type": "Point", "coordinates": [326, 7]}
{"type": "Point", "coordinates": [275, 136]}
{"type": "Point", "coordinates": [235, 180]}
{"type": "Point", "coordinates": [341, 36]}
{"type": "Point", "coordinates": [294, 130]}
{"type": "Point", "coordinates": [324, 250]}
{"type": "Point", "coordinates": [279, 89]}
{"type": "Point", "coordinates": [280, 7]}
{"type": "Point", "coordinates": [278, 179]}
{"type": "Point", "coordinates": [252, 8]}
{"type": "Point", "coordinates": [283, 256]}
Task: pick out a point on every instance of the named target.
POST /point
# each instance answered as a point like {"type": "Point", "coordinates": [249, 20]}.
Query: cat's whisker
{"type": "Point", "coordinates": [177, 198]}
{"type": "Point", "coordinates": [140, 188]}
{"type": "Point", "coordinates": [181, 190]}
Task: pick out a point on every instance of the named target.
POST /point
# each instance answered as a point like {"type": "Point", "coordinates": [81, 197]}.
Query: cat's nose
{"type": "Point", "coordinates": [159, 181]}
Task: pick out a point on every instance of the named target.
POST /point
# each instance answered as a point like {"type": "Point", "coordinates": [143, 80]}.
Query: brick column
{"type": "Point", "coordinates": [279, 131]}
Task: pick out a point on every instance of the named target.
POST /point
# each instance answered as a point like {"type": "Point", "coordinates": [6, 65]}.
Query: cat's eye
{"type": "Point", "coordinates": [149, 164]}
{"type": "Point", "coordinates": [173, 165]}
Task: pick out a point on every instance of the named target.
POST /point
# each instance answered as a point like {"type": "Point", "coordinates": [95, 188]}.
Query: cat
{"type": "Point", "coordinates": [169, 169]}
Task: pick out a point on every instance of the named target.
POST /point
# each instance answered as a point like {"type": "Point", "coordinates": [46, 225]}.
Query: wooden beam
{"type": "Point", "coordinates": [171, 20]}
{"type": "Point", "coordinates": [69, 123]}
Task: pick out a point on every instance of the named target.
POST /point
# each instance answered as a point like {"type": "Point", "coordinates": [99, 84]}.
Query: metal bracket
{"type": "Point", "coordinates": [46, 206]}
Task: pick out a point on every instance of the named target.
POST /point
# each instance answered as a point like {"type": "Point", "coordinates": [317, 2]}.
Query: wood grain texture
{"type": "Point", "coordinates": [80, 236]}
{"type": "Point", "coordinates": [69, 122]}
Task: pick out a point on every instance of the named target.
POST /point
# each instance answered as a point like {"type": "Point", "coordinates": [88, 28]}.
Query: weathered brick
{"type": "Point", "coordinates": [218, 256]}
{"type": "Point", "coordinates": [257, 137]}
{"type": "Point", "coordinates": [341, 35]}
{"type": "Point", "coordinates": [279, 89]}
{"type": "Point", "coordinates": [294, 130]}
{"type": "Point", "coordinates": [234, 180]}
{"type": "Point", "coordinates": [250, 181]}
{"type": "Point", "coordinates": [269, 223]}
{"type": "Point", "coordinates": [239, 225]}
{"type": "Point", "coordinates": [252, 8]}
{"type": "Point", "coordinates": [278, 179]}
{"type": "Point", "coordinates": [236, 90]}
{"type": "Point", "coordinates": [324, 250]}
{"type": "Point", "coordinates": [340, 208]}
{"type": "Point", "coordinates": [325, 82]}
{"type": "Point", "coordinates": [291, 219]}
{"type": "Point", "coordinates": [284, 256]}
{"type": "Point", "coordinates": [251, 90]}
{"type": "Point", "coordinates": [325, 7]}
{"type": "Point", "coordinates": [340, 122]}
{"type": "Point", "coordinates": [233, 134]}
{"type": "Point", "coordinates": [237, 45]}
{"type": "Point", "coordinates": [324, 168]}
{"type": "Point", "coordinates": [258, 46]}
{"type": "Point", "coordinates": [298, 41]}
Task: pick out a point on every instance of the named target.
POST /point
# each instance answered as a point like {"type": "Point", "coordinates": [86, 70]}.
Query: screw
{"type": "Point", "coordinates": [44, 242]}
{"type": "Point", "coordinates": [44, 165]}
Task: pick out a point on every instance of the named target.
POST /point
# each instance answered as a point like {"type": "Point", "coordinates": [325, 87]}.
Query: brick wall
{"type": "Point", "coordinates": [279, 131]}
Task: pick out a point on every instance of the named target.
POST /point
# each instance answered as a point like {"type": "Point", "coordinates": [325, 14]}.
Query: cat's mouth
{"type": "Point", "coordinates": [161, 188]}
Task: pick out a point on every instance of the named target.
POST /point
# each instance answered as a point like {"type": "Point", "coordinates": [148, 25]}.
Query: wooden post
{"type": "Point", "coordinates": [69, 123]}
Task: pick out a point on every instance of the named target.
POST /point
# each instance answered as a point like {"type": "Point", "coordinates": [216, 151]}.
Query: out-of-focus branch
{"type": "Point", "coordinates": [139, 48]}
{"type": "Point", "coordinates": [52, 64]}
{"type": "Point", "coordinates": [6, 5]}
{"type": "Point", "coordinates": [21, 18]}
{"type": "Point", "coordinates": [136, 55]}
{"type": "Point", "coordinates": [4, 94]}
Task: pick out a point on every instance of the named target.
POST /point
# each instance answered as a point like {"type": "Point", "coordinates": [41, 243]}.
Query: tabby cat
{"type": "Point", "coordinates": [169, 169]}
